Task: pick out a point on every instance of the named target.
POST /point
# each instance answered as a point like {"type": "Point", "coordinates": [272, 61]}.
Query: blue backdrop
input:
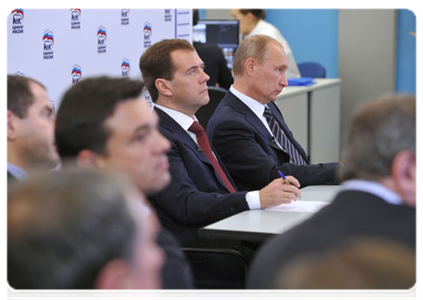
{"type": "Point", "coordinates": [312, 35]}
{"type": "Point", "coordinates": [406, 52]}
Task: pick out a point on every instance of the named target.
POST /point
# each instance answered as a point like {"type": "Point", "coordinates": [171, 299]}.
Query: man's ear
{"type": "Point", "coordinates": [403, 171]}
{"type": "Point", "coordinates": [87, 159]}
{"type": "Point", "coordinates": [163, 87]}
{"type": "Point", "coordinates": [11, 125]}
{"type": "Point", "coordinates": [249, 66]}
{"type": "Point", "coordinates": [116, 274]}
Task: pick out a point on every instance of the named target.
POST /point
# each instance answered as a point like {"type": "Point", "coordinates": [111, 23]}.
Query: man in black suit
{"type": "Point", "coordinates": [378, 196]}
{"type": "Point", "coordinates": [248, 130]}
{"type": "Point", "coordinates": [198, 194]}
{"type": "Point", "coordinates": [106, 124]}
{"type": "Point", "coordinates": [30, 128]}
{"type": "Point", "coordinates": [76, 229]}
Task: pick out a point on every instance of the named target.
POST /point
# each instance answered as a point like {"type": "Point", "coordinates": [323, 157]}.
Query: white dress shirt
{"type": "Point", "coordinates": [252, 198]}
{"type": "Point", "coordinates": [16, 172]}
{"type": "Point", "coordinates": [373, 188]}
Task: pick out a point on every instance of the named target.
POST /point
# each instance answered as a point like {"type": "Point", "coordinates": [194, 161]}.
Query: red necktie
{"type": "Point", "coordinates": [204, 144]}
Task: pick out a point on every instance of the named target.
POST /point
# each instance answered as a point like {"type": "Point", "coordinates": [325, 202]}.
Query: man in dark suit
{"type": "Point", "coordinates": [30, 128]}
{"type": "Point", "coordinates": [378, 196]}
{"type": "Point", "coordinates": [201, 190]}
{"type": "Point", "coordinates": [76, 229]}
{"type": "Point", "coordinates": [248, 130]}
{"type": "Point", "coordinates": [106, 124]}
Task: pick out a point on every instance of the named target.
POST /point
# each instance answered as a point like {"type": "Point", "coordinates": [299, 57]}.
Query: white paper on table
{"type": "Point", "coordinates": [300, 206]}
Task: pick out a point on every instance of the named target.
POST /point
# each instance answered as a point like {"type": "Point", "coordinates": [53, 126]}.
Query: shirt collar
{"type": "Point", "coordinates": [254, 105]}
{"type": "Point", "coordinates": [374, 188]}
{"type": "Point", "coordinates": [182, 119]}
{"type": "Point", "coordinates": [16, 172]}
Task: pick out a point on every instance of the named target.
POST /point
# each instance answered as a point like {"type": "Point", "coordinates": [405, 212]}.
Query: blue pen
{"type": "Point", "coordinates": [283, 177]}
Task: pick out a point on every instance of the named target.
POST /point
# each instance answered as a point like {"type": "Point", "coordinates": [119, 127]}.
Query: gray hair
{"type": "Point", "coordinates": [255, 46]}
{"type": "Point", "coordinates": [379, 131]}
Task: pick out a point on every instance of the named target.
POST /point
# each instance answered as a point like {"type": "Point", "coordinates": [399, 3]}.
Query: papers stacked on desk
{"type": "Point", "coordinates": [300, 206]}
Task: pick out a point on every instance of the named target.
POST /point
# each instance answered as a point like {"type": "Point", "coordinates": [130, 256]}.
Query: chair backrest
{"type": "Point", "coordinates": [205, 112]}
{"type": "Point", "coordinates": [312, 69]}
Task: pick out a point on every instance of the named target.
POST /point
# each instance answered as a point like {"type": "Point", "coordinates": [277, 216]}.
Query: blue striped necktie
{"type": "Point", "coordinates": [282, 139]}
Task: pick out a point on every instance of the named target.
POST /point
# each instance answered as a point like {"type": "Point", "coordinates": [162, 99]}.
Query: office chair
{"type": "Point", "coordinates": [312, 70]}
{"type": "Point", "coordinates": [205, 112]}
{"type": "Point", "coordinates": [217, 268]}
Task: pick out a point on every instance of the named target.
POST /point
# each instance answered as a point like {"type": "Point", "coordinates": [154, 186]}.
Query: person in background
{"type": "Point", "coordinates": [377, 197]}
{"type": "Point", "coordinates": [106, 124]}
{"type": "Point", "coordinates": [214, 60]}
{"type": "Point", "coordinates": [75, 229]}
{"type": "Point", "coordinates": [358, 264]}
{"type": "Point", "coordinates": [248, 129]}
{"type": "Point", "coordinates": [30, 128]}
{"type": "Point", "coordinates": [252, 22]}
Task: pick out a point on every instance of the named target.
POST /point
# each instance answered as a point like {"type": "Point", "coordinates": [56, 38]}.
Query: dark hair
{"type": "Point", "coordinates": [64, 227]}
{"type": "Point", "coordinates": [195, 17]}
{"type": "Point", "coordinates": [84, 109]}
{"type": "Point", "coordinates": [19, 95]}
{"type": "Point", "coordinates": [379, 130]}
{"type": "Point", "coordinates": [258, 13]}
{"type": "Point", "coordinates": [156, 63]}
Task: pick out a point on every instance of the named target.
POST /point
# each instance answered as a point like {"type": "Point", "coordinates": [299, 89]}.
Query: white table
{"type": "Point", "coordinates": [258, 225]}
{"type": "Point", "coordinates": [313, 115]}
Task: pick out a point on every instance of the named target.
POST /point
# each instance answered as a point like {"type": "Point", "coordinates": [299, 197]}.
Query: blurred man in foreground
{"type": "Point", "coordinates": [80, 230]}
{"type": "Point", "coordinates": [378, 195]}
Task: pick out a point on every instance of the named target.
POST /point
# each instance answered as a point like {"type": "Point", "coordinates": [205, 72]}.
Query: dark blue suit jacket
{"type": "Point", "coordinates": [250, 152]}
{"type": "Point", "coordinates": [352, 215]}
{"type": "Point", "coordinates": [196, 196]}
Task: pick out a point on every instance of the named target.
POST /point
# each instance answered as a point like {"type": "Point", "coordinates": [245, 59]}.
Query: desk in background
{"type": "Point", "coordinates": [258, 225]}
{"type": "Point", "coordinates": [313, 115]}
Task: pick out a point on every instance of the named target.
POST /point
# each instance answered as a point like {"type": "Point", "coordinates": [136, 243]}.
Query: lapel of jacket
{"type": "Point", "coordinates": [252, 118]}
{"type": "Point", "coordinates": [178, 133]}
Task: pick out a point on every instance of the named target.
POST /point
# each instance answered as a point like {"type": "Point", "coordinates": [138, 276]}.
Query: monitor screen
{"type": "Point", "coordinates": [223, 33]}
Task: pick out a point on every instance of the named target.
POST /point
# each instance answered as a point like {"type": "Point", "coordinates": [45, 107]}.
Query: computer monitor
{"type": "Point", "coordinates": [223, 33]}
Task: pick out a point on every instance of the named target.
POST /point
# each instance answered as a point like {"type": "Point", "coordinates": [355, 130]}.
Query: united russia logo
{"type": "Point", "coordinates": [76, 74]}
{"type": "Point", "coordinates": [17, 21]}
{"type": "Point", "coordinates": [147, 34]}
{"type": "Point", "coordinates": [125, 67]}
{"type": "Point", "coordinates": [101, 39]}
{"type": "Point", "coordinates": [75, 18]}
{"type": "Point", "coordinates": [48, 43]}
{"type": "Point", "coordinates": [168, 15]}
{"type": "Point", "coordinates": [124, 17]}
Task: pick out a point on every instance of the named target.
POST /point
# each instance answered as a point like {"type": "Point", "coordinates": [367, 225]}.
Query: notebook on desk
{"type": "Point", "coordinates": [302, 81]}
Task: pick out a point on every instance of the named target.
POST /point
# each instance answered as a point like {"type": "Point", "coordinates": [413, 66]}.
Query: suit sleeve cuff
{"type": "Point", "coordinates": [253, 200]}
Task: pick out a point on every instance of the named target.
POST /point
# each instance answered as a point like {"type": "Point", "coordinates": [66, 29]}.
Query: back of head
{"type": "Point", "coordinates": [84, 109]}
{"type": "Point", "coordinates": [258, 13]}
{"type": "Point", "coordinates": [64, 227]}
{"type": "Point", "coordinates": [357, 264]}
{"type": "Point", "coordinates": [255, 46]}
{"type": "Point", "coordinates": [379, 131]}
{"type": "Point", "coordinates": [19, 95]}
{"type": "Point", "coordinates": [156, 62]}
